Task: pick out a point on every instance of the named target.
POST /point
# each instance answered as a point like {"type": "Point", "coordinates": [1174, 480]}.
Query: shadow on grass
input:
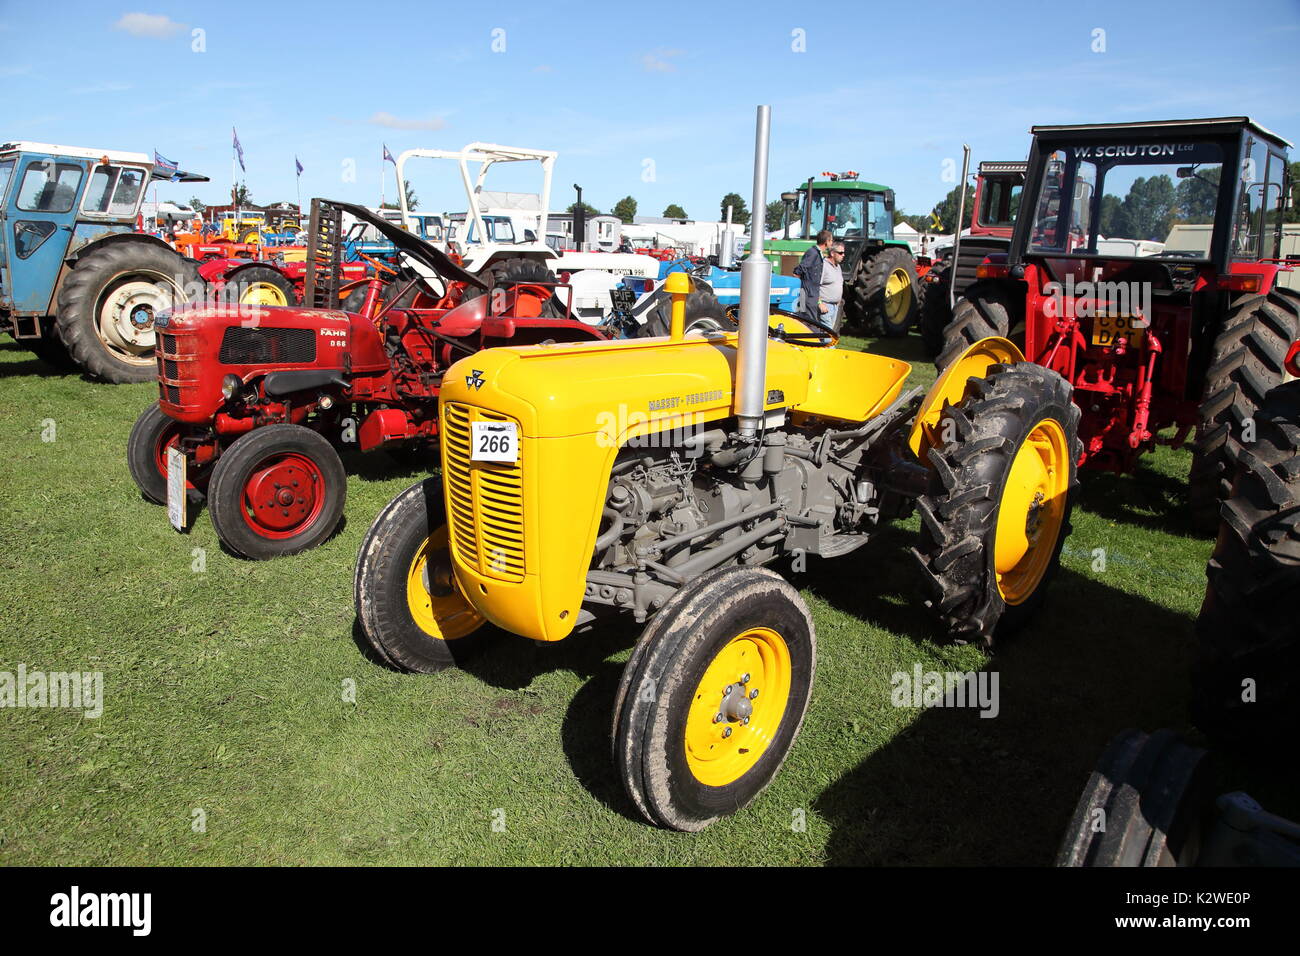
{"type": "Point", "coordinates": [958, 789]}
{"type": "Point", "coordinates": [1148, 499]}
{"type": "Point", "coordinates": [15, 361]}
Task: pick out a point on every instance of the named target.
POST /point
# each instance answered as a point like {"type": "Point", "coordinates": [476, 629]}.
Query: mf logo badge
{"type": "Point", "coordinates": [475, 379]}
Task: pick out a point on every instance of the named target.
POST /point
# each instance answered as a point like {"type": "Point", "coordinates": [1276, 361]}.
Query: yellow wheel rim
{"type": "Point", "coordinates": [444, 617]}
{"type": "Point", "coordinates": [721, 751]}
{"type": "Point", "coordinates": [1032, 511]}
{"type": "Point", "coordinates": [262, 293]}
{"type": "Point", "coordinates": [898, 295]}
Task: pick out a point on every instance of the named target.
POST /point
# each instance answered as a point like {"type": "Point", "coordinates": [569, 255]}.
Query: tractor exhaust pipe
{"type": "Point", "coordinates": [755, 297]}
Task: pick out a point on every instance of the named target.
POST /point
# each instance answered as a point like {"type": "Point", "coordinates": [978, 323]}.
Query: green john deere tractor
{"type": "Point", "coordinates": [881, 292]}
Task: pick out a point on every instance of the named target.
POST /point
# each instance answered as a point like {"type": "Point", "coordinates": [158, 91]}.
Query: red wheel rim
{"type": "Point", "coordinates": [170, 438]}
{"type": "Point", "coordinates": [283, 496]}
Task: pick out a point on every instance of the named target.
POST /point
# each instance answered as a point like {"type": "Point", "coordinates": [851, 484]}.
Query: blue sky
{"type": "Point", "coordinates": [891, 91]}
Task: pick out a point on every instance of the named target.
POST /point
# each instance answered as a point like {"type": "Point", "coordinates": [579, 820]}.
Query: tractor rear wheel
{"type": "Point", "coordinates": [108, 303]}
{"type": "Point", "coordinates": [981, 312]}
{"type": "Point", "coordinates": [259, 285]}
{"type": "Point", "coordinates": [276, 491]}
{"type": "Point", "coordinates": [1246, 679]}
{"type": "Point", "coordinates": [992, 532]}
{"type": "Point", "coordinates": [1245, 363]}
{"type": "Point", "coordinates": [884, 293]}
{"type": "Point", "coordinates": [713, 697]}
{"type": "Point", "coordinates": [408, 602]}
{"type": "Point", "coordinates": [146, 451]}
{"type": "Point", "coordinates": [508, 273]}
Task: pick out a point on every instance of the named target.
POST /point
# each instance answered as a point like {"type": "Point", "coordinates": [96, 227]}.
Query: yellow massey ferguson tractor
{"type": "Point", "coordinates": [659, 477]}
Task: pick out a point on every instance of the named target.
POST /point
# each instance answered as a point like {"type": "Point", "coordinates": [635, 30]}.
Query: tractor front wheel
{"type": "Point", "coordinates": [109, 301]}
{"type": "Point", "coordinates": [713, 697]}
{"type": "Point", "coordinates": [409, 604]}
{"type": "Point", "coordinates": [936, 312]}
{"type": "Point", "coordinates": [1246, 678]}
{"type": "Point", "coordinates": [992, 531]}
{"type": "Point", "coordinates": [276, 491]}
{"type": "Point", "coordinates": [153, 433]}
{"type": "Point", "coordinates": [1246, 362]}
{"type": "Point", "coordinates": [885, 295]}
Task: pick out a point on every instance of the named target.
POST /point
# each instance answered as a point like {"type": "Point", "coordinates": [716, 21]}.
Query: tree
{"type": "Point", "coordinates": [675, 211]}
{"type": "Point", "coordinates": [1114, 221]}
{"type": "Point", "coordinates": [1149, 208]}
{"type": "Point", "coordinates": [589, 209]}
{"type": "Point", "coordinates": [1293, 214]}
{"type": "Point", "coordinates": [197, 206]}
{"type": "Point", "coordinates": [919, 223]}
{"type": "Point", "coordinates": [412, 200]}
{"type": "Point", "coordinates": [775, 215]}
{"type": "Point", "coordinates": [739, 211]}
{"type": "Point", "coordinates": [242, 196]}
{"type": "Point", "coordinates": [946, 208]}
{"type": "Point", "coordinates": [1197, 196]}
{"type": "Point", "coordinates": [625, 209]}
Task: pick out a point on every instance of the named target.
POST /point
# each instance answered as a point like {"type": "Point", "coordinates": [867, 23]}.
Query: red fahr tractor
{"type": "Point", "coordinates": [1146, 267]}
{"type": "Point", "coordinates": [255, 401]}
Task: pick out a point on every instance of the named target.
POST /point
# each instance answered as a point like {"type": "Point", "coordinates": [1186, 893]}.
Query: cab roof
{"type": "Point", "coordinates": [112, 155]}
{"type": "Point", "coordinates": [1209, 126]}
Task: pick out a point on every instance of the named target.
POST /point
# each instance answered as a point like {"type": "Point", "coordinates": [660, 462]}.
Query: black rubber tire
{"type": "Point", "coordinates": [49, 348]}
{"type": "Point", "coordinates": [152, 430]}
{"type": "Point", "coordinates": [935, 313]}
{"type": "Point", "coordinates": [669, 660]}
{"type": "Point", "coordinates": [700, 304]}
{"type": "Point", "coordinates": [1245, 363]}
{"type": "Point", "coordinates": [507, 273]}
{"type": "Point", "coordinates": [864, 295]}
{"type": "Point", "coordinates": [1249, 625]}
{"type": "Point", "coordinates": [233, 292]}
{"type": "Point", "coordinates": [982, 312]}
{"type": "Point", "coordinates": [380, 583]}
{"type": "Point", "coordinates": [1142, 806]}
{"type": "Point", "coordinates": [95, 272]}
{"type": "Point", "coordinates": [236, 465]}
{"type": "Point", "coordinates": [959, 520]}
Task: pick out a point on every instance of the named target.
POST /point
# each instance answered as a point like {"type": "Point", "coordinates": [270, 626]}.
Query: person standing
{"type": "Point", "coordinates": [830, 293]}
{"type": "Point", "coordinates": [809, 271]}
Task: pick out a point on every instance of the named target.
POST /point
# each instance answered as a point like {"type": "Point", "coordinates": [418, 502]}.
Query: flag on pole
{"type": "Point", "coordinates": [239, 150]}
{"type": "Point", "coordinates": [298, 165]}
{"type": "Point", "coordinates": [165, 165]}
{"type": "Point", "coordinates": [388, 157]}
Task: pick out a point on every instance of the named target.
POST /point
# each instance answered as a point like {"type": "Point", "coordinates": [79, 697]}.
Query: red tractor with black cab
{"type": "Point", "coordinates": [255, 401]}
{"type": "Point", "coordinates": [1146, 267]}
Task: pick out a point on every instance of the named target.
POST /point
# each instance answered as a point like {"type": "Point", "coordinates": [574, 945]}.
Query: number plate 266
{"type": "Point", "coordinates": [494, 441]}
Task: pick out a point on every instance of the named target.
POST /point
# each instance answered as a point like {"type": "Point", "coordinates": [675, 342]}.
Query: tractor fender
{"type": "Point", "coordinates": [951, 387]}
{"type": "Point", "coordinates": [70, 261]}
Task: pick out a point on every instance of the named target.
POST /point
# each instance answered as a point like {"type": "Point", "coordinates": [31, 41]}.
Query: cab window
{"type": "Point", "coordinates": [6, 174]}
{"type": "Point", "coordinates": [49, 187]}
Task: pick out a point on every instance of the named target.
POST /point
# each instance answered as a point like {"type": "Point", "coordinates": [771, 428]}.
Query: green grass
{"type": "Point", "coordinates": [224, 689]}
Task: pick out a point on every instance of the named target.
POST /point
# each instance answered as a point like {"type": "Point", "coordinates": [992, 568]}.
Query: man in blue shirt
{"type": "Point", "coordinates": [809, 271]}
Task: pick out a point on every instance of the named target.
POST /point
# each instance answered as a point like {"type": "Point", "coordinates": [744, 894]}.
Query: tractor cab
{"type": "Point", "coordinates": [998, 188]}
{"type": "Point", "coordinates": [1129, 191]}
{"type": "Point", "coordinates": [56, 202]}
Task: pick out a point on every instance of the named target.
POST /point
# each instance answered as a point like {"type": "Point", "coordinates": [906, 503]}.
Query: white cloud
{"type": "Point", "coordinates": [543, 68]}
{"type": "Point", "coordinates": [106, 87]}
{"type": "Point", "coordinates": [156, 25]}
{"type": "Point", "coordinates": [396, 122]}
{"type": "Point", "coordinates": [659, 61]}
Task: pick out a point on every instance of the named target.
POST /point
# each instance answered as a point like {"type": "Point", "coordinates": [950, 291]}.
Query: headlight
{"type": "Point", "coordinates": [230, 385]}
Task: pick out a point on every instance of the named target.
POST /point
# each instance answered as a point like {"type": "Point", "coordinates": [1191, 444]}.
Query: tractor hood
{"type": "Point", "coordinates": [412, 245]}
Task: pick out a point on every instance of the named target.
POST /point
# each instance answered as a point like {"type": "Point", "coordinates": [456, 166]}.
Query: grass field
{"type": "Point", "coordinates": [226, 689]}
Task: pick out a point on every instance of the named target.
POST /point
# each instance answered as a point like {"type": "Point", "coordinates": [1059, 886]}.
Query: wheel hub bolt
{"type": "Point", "coordinates": [726, 691]}
{"type": "Point", "coordinates": [717, 718]}
{"type": "Point", "coordinates": [727, 732]}
{"type": "Point", "coordinates": [753, 693]}
{"type": "Point", "coordinates": [745, 679]}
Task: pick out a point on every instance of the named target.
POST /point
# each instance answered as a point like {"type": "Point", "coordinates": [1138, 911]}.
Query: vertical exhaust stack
{"type": "Point", "coordinates": [755, 297]}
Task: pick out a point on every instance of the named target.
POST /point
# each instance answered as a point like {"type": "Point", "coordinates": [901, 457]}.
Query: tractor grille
{"type": "Point", "coordinates": [485, 499]}
{"type": "Point", "coordinates": [174, 368]}
{"type": "Point", "coordinates": [261, 346]}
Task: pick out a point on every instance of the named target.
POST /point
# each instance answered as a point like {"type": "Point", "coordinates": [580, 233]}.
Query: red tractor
{"type": "Point", "coordinates": [255, 401]}
{"type": "Point", "coordinates": [993, 213]}
{"type": "Point", "coordinates": [1146, 267]}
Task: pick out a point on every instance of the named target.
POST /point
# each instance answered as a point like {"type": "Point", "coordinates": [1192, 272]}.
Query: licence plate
{"type": "Point", "coordinates": [494, 441]}
{"type": "Point", "coordinates": [1107, 328]}
{"type": "Point", "coordinates": [176, 488]}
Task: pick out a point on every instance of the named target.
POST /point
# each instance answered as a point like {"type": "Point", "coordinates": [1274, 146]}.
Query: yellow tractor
{"type": "Point", "coordinates": [661, 477]}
